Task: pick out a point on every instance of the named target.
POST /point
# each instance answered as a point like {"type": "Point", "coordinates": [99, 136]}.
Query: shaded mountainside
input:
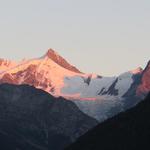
{"type": "Point", "coordinates": [31, 119]}
{"type": "Point", "coordinates": [127, 131]}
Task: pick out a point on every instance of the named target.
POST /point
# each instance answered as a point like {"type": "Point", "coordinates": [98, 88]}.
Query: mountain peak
{"type": "Point", "coordinates": [50, 53]}
{"type": "Point", "coordinates": [53, 55]}
{"type": "Point", "coordinates": [137, 70]}
{"type": "Point", "coordinates": [147, 68]}
{"type": "Point", "coordinates": [5, 64]}
{"type": "Point", "coordinates": [148, 64]}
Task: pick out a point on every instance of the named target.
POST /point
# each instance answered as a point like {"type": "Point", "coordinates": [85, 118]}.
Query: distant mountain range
{"type": "Point", "coordinates": [31, 119]}
{"type": "Point", "coordinates": [47, 104]}
{"type": "Point", "coordinates": [97, 96]}
{"type": "Point", "coordinates": [127, 131]}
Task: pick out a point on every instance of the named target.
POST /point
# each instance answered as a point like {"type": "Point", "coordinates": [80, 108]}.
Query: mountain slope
{"type": "Point", "coordinates": [61, 61]}
{"type": "Point", "coordinates": [97, 96]}
{"type": "Point", "coordinates": [31, 119]}
{"type": "Point", "coordinates": [144, 86]}
{"type": "Point", "coordinates": [47, 73]}
{"type": "Point", "coordinates": [6, 64]}
{"type": "Point", "coordinates": [55, 75]}
{"type": "Point", "coordinates": [127, 131]}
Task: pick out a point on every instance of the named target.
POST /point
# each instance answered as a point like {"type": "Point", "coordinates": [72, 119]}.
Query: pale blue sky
{"type": "Point", "coordinates": [106, 37]}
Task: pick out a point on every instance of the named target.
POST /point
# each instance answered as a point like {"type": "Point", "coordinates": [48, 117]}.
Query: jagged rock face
{"type": "Point", "coordinates": [30, 76]}
{"type": "Point", "coordinates": [8, 78]}
{"type": "Point", "coordinates": [61, 61]}
{"type": "Point", "coordinates": [6, 64]}
{"type": "Point", "coordinates": [144, 86]}
{"type": "Point", "coordinates": [31, 119]}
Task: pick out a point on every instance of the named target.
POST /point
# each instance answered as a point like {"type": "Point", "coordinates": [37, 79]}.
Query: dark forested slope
{"type": "Point", "coordinates": [127, 131]}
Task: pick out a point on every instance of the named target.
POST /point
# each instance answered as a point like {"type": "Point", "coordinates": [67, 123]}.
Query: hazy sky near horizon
{"type": "Point", "coordinates": [106, 37]}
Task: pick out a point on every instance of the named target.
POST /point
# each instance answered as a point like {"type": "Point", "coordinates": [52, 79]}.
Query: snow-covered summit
{"type": "Point", "coordinates": [137, 70]}
{"type": "Point", "coordinates": [6, 64]}
{"type": "Point", "coordinates": [53, 55]}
